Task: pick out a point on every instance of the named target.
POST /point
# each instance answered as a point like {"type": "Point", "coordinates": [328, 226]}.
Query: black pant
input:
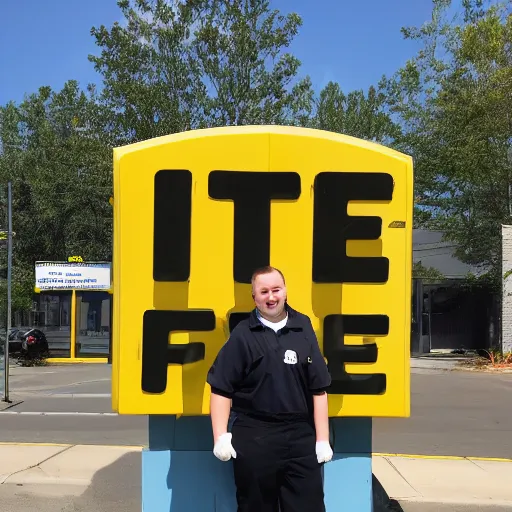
{"type": "Point", "coordinates": [276, 469]}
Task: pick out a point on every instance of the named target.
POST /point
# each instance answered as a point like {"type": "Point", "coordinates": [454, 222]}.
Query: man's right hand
{"type": "Point", "coordinates": [223, 448]}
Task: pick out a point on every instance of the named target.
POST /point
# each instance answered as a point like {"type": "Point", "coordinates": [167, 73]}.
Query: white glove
{"type": "Point", "coordinates": [223, 448]}
{"type": "Point", "coordinates": [323, 451]}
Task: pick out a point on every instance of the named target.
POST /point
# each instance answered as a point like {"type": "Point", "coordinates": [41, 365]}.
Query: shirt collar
{"type": "Point", "coordinates": [292, 323]}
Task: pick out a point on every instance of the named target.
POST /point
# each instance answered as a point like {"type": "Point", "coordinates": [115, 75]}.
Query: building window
{"type": "Point", "coordinates": [93, 323]}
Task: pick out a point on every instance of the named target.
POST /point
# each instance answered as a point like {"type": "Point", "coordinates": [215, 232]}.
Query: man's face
{"type": "Point", "coordinates": [269, 293]}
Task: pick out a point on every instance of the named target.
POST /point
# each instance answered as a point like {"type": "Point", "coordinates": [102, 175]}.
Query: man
{"type": "Point", "coordinates": [272, 377]}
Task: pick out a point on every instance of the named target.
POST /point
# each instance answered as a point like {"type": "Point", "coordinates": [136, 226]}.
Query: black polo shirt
{"type": "Point", "coordinates": [270, 373]}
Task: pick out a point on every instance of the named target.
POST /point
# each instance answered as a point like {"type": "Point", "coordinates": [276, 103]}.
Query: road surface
{"type": "Point", "coordinates": [453, 412]}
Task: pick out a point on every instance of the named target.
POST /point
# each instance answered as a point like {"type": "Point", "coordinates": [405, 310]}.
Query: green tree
{"type": "Point", "coordinates": [453, 101]}
{"type": "Point", "coordinates": [57, 154]}
{"type": "Point", "coordinates": [175, 66]}
{"type": "Point", "coordinates": [240, 48]}
{"type": "Point", "coordinates": [355, 114]}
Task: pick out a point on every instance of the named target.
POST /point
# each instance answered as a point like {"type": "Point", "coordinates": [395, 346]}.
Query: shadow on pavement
{"type": "Point", "coordinates": [381, 501]}
{"type": "Point", "coordinates": [115, 488]}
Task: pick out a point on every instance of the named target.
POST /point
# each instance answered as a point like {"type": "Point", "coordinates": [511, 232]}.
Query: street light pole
{"type": "Point", "coordinates": [9, 282]}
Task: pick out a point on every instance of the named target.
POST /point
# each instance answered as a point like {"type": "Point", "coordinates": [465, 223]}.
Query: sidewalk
{"type": "Point", "coordinates": [65, 478]}
{"type": "Point", "coordinates": [406, 479]}
{"type": "Point", "coordinates": [74, 465]}
{"type": "Point", "coordinates": [455, 480]}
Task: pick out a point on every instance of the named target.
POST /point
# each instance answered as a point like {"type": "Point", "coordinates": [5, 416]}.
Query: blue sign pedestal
{"type": "Point", "coordinates": [181, 474]}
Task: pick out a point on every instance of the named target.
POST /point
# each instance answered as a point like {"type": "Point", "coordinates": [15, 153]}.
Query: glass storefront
{"type": "Point", "coordinates": [93, 323]}
{"type": "Point", "coordinates": [82, 318]}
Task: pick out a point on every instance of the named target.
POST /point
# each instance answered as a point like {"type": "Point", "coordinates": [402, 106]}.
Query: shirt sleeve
{"type": "Point", "coordinates": [319, 378]}
{"type": "Point", "coordinates": [229, 368]}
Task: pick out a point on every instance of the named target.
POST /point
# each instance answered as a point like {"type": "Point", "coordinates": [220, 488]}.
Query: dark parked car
{"type": "Point", "coordinates": [34, 344]}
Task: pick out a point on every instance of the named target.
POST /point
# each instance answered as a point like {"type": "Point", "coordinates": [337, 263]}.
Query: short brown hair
{"type": "Point", "coordinates": [266, 270]}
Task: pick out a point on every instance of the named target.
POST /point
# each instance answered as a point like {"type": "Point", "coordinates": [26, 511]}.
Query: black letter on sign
{"type": "Point", "coordinates": [252, 193]}
{"type": "Point", "coordinates": [171, 245]}
{"type": "Point", "coordinates": [333, 227]}
{"type": "Point", "coordinates": [236, 318]}
{"type": "Point", "coordinates": [337, 353]}
{"type": "Point", "coordinates": [158, 354]}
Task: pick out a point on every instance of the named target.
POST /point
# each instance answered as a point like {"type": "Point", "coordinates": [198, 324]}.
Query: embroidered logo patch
{"type": "Point", "coordinates": [290, 357]}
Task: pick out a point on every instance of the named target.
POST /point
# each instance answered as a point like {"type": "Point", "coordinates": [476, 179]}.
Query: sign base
{"type": "Point", "coordinates": [180, 472]}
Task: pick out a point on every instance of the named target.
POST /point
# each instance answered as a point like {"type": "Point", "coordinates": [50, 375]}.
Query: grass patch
{"type": "Point", "coordinates": [492, 359]}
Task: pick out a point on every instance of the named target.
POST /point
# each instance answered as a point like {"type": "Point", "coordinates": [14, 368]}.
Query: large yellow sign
{"type": "Point", "coordinates": [195, 213]}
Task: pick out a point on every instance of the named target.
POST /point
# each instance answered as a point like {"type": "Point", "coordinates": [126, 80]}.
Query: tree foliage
{"type": "Point", "coordinates": [428, 275]}
{"type": "Point", "coordinates": [453, 101]}
{"type": "Point", "coordinates": [182, 65]}
{"type": "Point", "coordinates": [57, 155]}
{"type": "Point", "coordinates": [355, 114]}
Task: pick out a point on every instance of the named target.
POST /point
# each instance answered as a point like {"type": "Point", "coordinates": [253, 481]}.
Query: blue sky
{"type": "Point", "coordinates": [351, 42]}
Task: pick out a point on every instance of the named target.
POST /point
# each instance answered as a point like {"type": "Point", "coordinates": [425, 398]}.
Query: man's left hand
{"type": "Point", "coordinates": [323, 451]}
